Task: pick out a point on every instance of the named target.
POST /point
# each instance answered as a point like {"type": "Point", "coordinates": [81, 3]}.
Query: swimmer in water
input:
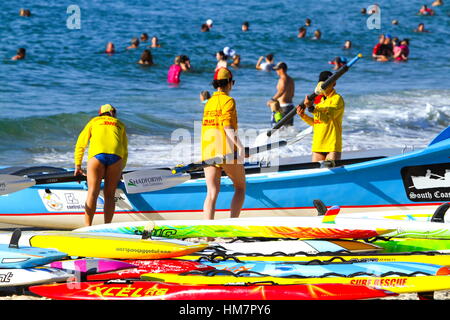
{"type": "Point", "coordinates": [347, 45]}
{"type": "Point", "coordinates": [267, 65]}
{"type": "Point", "coordinates": [146, 58]}
{"type": "Point", "coordinates": [24, 12]}
{"type": "Point", "coordinates": [301, 32]}
{"type": "Point", "coordinates": [425, 11]}
{"type": "Point", "coordinates": [173, 76]}
{"type": "Point", "coordinates": [20, 55]}
{"type": "Point", "coordinates": [221, 60]}
{"type": "Point", "coordinates": [134, 44]}
{"type": "Point", "coordinates": [421, 28]}
{"type": "Point", "coordinates": [204, 28]}
{"type": "Point", "coordinates": [185, 63]}
{"type": "Point", "coordinates": [110, 48]}
{"type": "Point", "coordinates": [437, 3]}
{"type": "Point", "coordinates": [155, 42]}
{"type": "Point", "coordinates": [307, 22]}
{"type": "Point", "coordinates": [204, 96]}
{"type": "Point", "coordinates": [144, 37]}
{"type": "Point", "coordinates": [317, 35]}
{"type": "Point", "coordinates": [338, 62]}
{"type": "Point", "coordinates": [245, 26]}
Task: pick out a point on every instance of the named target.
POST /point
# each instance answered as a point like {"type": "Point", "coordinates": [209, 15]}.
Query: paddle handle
{"type": "Point", "coordinates": [325, 85]}
{"type": "Point", "coordinates": [195, 166]}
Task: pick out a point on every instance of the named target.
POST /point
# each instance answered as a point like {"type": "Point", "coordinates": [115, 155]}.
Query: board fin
{"type": "Point", "coordinates": [331, 215]}
{"type": "Point", "coordinates": [320, 206]}
{"type": "Point", "coordinates": [439, 214]}
{"type": "Point", "coordinates": [14, 242]}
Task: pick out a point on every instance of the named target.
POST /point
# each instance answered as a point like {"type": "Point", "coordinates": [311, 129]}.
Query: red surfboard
{"type": "Point", "coordinates": [149, 290]}
{"type": "Point", "coordinates": [151, 266]}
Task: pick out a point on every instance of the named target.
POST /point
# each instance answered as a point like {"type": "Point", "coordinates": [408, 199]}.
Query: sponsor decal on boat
{"type": "Point", "coordinates": [146, 181]}
{"type": "Point", "coordinates": [427, 182]}
{"type": "Point", "coordinates": [74, 200]}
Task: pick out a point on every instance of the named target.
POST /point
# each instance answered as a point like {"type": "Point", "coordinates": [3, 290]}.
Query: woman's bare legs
{"type": "Point", "coordinates": [212, 176]}
{"type": "Point", "coordinates": [236, 173]}
{"type": "Point", "coordinates": [112, 176]}
{"type": "Point", "coordinates": [95, 173]}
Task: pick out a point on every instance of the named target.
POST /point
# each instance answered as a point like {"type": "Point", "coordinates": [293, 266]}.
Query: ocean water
{"type": "Point", "coordinates": [46, 99]}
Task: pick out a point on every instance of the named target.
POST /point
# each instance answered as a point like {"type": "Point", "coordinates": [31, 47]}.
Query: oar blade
{"type": "Point", "coordinates": [10, 183]}
{"type": "Point", "coordinates": [141, 181]}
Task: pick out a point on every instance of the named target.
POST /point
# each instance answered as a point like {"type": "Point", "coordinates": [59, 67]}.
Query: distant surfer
{"type": "Point", "coordinates": [326, 121]}
{"type": "Point", "coordinates": [107, 156]}
{"type": "Point", "coordinates": [219, 138]}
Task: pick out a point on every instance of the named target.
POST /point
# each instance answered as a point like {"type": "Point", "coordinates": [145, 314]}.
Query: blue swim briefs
{"type": "Point", "coordinates": [107, 159]}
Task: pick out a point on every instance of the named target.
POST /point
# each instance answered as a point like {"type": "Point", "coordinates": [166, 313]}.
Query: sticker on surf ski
{"type": "Point", "coordinates": [427, 182]}
{"type": "Point", "coordinates": [73, 200]}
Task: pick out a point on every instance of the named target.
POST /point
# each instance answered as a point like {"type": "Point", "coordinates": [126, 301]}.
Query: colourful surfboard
{"type": "Point", "coordinates": [299, 227]}
{"type": "Point", "coordinates": [281, 227]}
{"type": "Point", "coordinates": [31, 276]}
{"type": "Point", "coordinates": [279, 269]}
{"type": "Point", "coordinates": [291, 247]}
{"type": "Point", "coordinates": [111, 246]}
{"type": "Point", "coordinates": [141, 267]}
{"type": "Point", "coordinates": [428, 257]}
{"type": "Point", "coordinates": [147, 290]}
{"type": "Point", "coordinates": [395, 245]}
{"type": "Point", "coordinates": [398, 284]}
{"type": "Point", "coordinates": [14, 256]}
{"type": "Point", "coordinates": [91, 266]}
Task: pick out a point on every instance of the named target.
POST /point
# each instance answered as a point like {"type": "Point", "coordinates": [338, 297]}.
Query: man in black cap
{"type": "Point", "coordinates": [326, 121]}
{"type": "Point", "coordinates": [285, 91]}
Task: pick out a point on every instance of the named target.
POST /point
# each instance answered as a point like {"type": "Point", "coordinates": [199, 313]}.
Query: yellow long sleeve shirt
{"type": "Point", "coordinates": [327, 124]}
{"type": "Point", "coordinates": [104, 134]}
{"type": "Point", "coordinates": [220, 111]}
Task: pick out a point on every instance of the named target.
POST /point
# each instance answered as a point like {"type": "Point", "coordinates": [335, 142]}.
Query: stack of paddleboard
{"type": "Point", "coordinates": [281, 258]}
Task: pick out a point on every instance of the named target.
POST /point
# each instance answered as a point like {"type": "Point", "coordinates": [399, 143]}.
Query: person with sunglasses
{"type": "Point", "coordinates": [219, 138]}
{"type": "Point", "coordinates": [107, 157]}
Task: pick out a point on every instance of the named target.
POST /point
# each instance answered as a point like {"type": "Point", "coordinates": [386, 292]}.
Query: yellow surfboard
{"type": "Point", "coordinates": [393, 283]}
{"type": "Point", "coordinates": [432, 258]}
{"type": "Point", "coordinates": [112, 246]}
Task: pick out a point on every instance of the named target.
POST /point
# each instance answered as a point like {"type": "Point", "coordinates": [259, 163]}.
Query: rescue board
{"type": "Point", "coordinates": [151, 266]}
{"type": "Point", "coordinates": [107, 246]}
{"type": "Point", "coordinates": [397, 284]}
{"type": "Point", "coordinates": [147, 290]}
{"type": "Point", "coordinates": [31, 276]}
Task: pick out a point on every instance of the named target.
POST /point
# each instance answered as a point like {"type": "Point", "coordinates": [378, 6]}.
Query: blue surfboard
{"type": "Point", "coordinates": [14, 257]}
{"type": "Point", "coordinates": [277, 269]}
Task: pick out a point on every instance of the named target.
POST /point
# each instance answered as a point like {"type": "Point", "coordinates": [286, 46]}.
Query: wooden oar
{"type": "Point", "coordinates": [136, 181]}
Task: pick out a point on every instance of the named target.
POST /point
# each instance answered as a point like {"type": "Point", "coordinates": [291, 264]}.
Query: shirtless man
{"type": "Point", "coordinates": [285, 91]}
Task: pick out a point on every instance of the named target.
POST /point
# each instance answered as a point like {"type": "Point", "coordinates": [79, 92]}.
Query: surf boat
{"type": "Point", "coordinates": [370, 184]}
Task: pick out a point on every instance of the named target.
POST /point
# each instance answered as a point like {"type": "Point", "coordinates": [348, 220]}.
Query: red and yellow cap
{"type": "Point", "coordinates": [106, 108]}
{"type": "Point", "coordinates": [223, 74]}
